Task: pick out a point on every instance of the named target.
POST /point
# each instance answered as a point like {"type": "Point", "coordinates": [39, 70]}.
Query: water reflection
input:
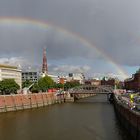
{"type": "Point", "coordinates": [88, 119]}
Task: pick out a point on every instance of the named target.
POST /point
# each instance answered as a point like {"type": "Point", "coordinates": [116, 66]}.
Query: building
{"type": "Point", "coordinates": [62, 80]}
{"type": "Point", "coordinates": [10, 72]}
{"type": "Point", "coordinates": [44, 71]}
{"type": "Point", "coordinates": [53, 77]}
{"type": "Point", "coordinates": [109, 81]}
{"type": "Point", "coordinates": [76, 77]}
{"type": "Point", "coordinates": [31, 76]}
{"type": "Point", "coordinates": [94, 82]}
{"type": "Point", "coordinates": [44, 64]}
{"type": "Point", "coordinates": [133, 83]}
{"type": "Point", "coordinates": [59, 79]}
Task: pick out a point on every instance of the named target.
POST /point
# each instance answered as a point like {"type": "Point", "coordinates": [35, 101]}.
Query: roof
{"type": "Point", "coordinates": [7, 66]}
{"type": "Point", "coordinates": [138, 71]}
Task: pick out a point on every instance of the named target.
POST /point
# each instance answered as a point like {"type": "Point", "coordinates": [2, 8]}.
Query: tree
{"type": "Point", "coordinates": [35, 88]}
{"type": "Point", "coordinates": [59, 85]}
{"type": "Point", "coordinates": [71, 84]}
{"type": "Point", "coordinates": [45, 83]}
{"type": "Point", "coordinates": [67, 85]}
{"type": "Point", "coordinates": [8, 86]}
{"type": "Point", "coordinates": [26, 83]}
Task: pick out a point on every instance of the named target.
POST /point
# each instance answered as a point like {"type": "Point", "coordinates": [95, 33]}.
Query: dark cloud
{"type": "Point", "coordinates": [29, 42]}
{"type": "Point", "coordinates": [112, 26]}
{"type": "Point", "coordinates": [69, 69]}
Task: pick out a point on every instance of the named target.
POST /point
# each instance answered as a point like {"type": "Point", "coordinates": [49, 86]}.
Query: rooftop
{"type": "Point", "coordinates": [7, 66]}
{"type": "Point", "coordinates": [138, 71]}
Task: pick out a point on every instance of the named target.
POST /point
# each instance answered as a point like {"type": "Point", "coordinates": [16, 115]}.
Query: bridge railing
{"type": "Point", "coordinates": [85, 89]}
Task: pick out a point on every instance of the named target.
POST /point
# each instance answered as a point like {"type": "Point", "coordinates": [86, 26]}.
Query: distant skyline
{"type": "Point", "coordinates": [89, 36]}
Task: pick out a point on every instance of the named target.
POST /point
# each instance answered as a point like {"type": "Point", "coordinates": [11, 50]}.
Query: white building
{"type": "Point", "coordinates": [54, 77]}
{"type": "Point", "coordinates": [76, 76]}
{"type": "Point", "coordinates": [11, 72]}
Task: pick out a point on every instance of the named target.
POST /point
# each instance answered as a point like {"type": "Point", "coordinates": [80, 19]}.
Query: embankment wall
{"type": "Point", "coordinates": [130, 119]}
{"type": "Point", "coordinates": [21, 102]}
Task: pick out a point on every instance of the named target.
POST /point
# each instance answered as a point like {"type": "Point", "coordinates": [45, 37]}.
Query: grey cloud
{"type": "Point", "coordinates": [17, 61]}
{"type": "Point", "coordinates": [29, 42]}
{"type": "Point", "coordinates": [69, 69]}
{"type": "Point", "coordinates": [111, 25]}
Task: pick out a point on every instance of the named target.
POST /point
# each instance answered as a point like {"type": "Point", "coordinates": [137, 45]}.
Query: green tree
{"type": "Point", "coordinates": [8, 86]}
{"type": "Point", "coordinates": [45, 83]}
{"type": "Point", "coordinates": [35, 88]}
{"type": "Point", "coordinates": [59, 85]}
{"type": "Point", "coordinates": [71, 84]}
{"type": "Point", "coordinates": [26, 83]}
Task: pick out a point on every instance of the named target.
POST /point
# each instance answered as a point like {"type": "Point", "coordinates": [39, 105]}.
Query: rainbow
{"type": "Point", "coordinates": [45, 25]}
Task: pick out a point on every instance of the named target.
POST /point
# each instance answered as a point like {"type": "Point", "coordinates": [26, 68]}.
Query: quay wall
{"type": "Point", "coordinates": [128, 118]}
{"type": "Point", "coordinates": [21, 102]}
{"type": "Point", "coordinates": [79, 96]}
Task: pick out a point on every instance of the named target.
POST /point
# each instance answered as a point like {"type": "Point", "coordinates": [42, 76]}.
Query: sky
{"type": "Point", "coordinates": [95, 37]}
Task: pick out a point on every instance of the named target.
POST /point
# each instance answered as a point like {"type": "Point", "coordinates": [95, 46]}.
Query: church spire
{"type": "Point", "coordinates": [44, 65]}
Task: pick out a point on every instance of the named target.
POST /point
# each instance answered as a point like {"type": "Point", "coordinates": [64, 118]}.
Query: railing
{"type": "Point", "coordinates": [128, 117]}
{"type": "Point", "coordinates": [89, 89]}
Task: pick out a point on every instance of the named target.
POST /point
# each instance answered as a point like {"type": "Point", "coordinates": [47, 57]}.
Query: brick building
{"type": "Point", "coordinates": [93, 82]}
{"type": "Point", "coordinates": [110, 81]}
{"type": "Point", "coordinates": [134, 82]}
{"type": "Point", "coordinates": [61, 80]}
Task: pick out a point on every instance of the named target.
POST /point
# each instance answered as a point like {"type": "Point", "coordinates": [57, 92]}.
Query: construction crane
{"type": "Point", "coordinates": [25, 90]}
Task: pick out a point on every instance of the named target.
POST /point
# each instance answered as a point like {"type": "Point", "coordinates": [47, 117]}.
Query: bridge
{"type": "Point", "coordinates": [90, 89]}
{"type": "Point", "coordinates": [82, 91]}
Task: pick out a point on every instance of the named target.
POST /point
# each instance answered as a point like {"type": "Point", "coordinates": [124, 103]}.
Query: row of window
{"type": "Point", "coordinates": [29, 77]}
{"type": "Point", "coordinates": [29, 73]}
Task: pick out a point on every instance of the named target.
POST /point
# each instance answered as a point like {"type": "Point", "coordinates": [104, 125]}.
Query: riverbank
{"type": "Point", "coordinates": [130, 119]}
{"type": "Point", "coordinates": [87, 119]}
{"type": "Point", "coordinates": [29, 101]}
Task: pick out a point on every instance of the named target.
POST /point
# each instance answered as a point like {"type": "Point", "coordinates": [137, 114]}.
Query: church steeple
{"type": "Point", "coordinates": [44, 64]}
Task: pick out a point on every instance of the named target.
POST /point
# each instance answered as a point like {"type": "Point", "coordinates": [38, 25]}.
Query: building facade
{"type": "Point", "coordinates": [134, 82]}
{"type": "Point", "coordinates": [76, 77]}
{"type": "Point", "coordinates": [110, 81]}
{"type": "Point", "coordinates": [31, 76]}
{"type": "Point", "coordinates": [62, 80]}
{"type": "Point", "coordinates": [94, 82]}
{"type": "Point", "coordinates": [53, 77]}
{"type": "Point", "coordinates": [10, 72]}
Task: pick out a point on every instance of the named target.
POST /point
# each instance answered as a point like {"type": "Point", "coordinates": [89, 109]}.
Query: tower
{"type": "Point", "coordinates": [44, 65]}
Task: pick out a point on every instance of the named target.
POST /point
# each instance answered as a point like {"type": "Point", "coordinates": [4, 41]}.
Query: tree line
{"type": "Point", "coordinates": [9, 86]}
{"type": "Point", "coordinates": [46, 83]}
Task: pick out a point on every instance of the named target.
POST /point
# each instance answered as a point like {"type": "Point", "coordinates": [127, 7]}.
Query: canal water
{"type": "Point", "coordinates": [88, 119]}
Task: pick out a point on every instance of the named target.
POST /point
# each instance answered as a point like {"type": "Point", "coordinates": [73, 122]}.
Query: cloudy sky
{"type": "Point", "coordinates": [90, 36]}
